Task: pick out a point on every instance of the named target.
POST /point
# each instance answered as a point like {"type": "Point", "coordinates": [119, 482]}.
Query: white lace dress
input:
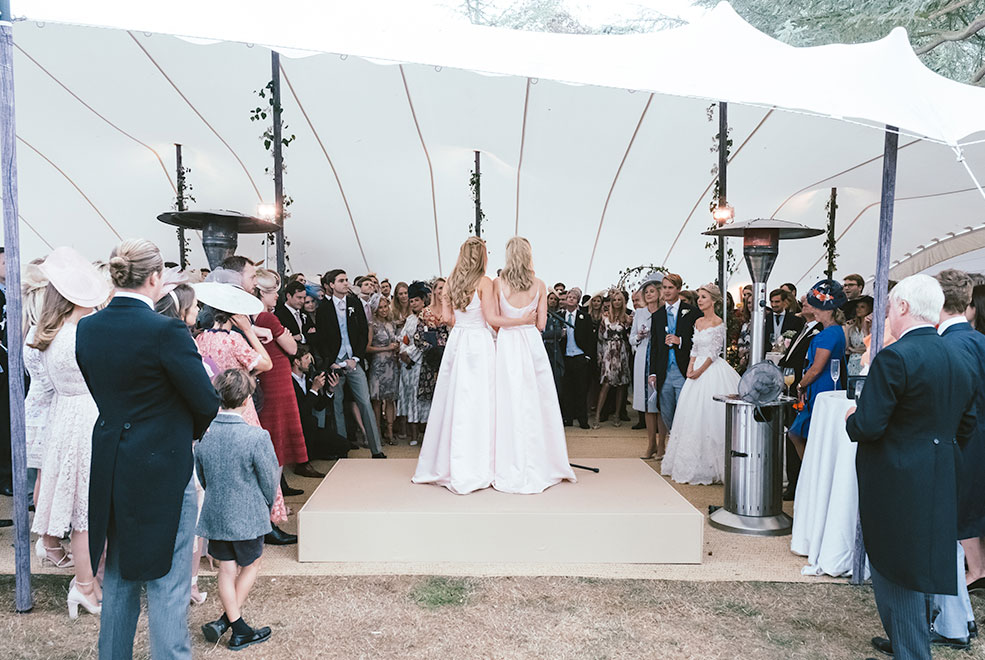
{"type": "Point", "coordinates": [63, 499]}
{"type": "Point", "coordinates": [37, 403]}
{"type": "Point", "coordinates": [696, 451]}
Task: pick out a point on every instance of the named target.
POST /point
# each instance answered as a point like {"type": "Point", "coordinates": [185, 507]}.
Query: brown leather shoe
{"type": "Point", "coordinates": [308, 470]}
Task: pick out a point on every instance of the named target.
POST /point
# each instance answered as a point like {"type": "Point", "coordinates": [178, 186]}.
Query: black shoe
{"type": "Point", "coordinates": [567, 422]}
{"type": "Point", "coordinates": [379, 455]}
{"type": "Point", "coordinates": [882, 645]}
{"type": "Point", "coordinates": [6, 522]}
{"type": "Point", "coordinates": [788, 494]}
{"type": "Point", "coordinates": [972, 630]}
{"type": "Point", "coordinates": [286, 490]}
{"type": "Point", "coordinates": [977, 585]}
{"type": "Point", "coordinates": [939, 640]}
{"type": "Point", "coordinates": [584, 425]}
{"type": "Point", "coordinates": [7, 490]}
{"type": "Point", "coordinates": [214, 630]}
{"type": "Point", "coordinates": [237, 642]}
{"type": "Point", "coordinates": [277, 536]}
{"type": "Point", "coordinates": [639, 426]}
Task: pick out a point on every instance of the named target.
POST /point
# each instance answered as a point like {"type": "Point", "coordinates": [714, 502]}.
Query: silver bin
{"type": "Point", "coordinates": [754, 442]}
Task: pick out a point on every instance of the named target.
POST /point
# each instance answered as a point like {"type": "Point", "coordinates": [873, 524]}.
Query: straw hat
{"type": "Point", "coordinates": [75, 278]}
{"type": "Point", "coordinates": [227, 298]}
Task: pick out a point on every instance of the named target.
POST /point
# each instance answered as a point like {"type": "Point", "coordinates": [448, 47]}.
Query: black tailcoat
{"type": "Point", "coordinates": [328, 337]}
{"type": "Point", "coordinates": [660, 352]}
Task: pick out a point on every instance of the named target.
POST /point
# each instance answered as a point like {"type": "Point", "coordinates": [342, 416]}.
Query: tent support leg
{"type": "Point", "coordinates": [881, 294]}
{"type": "Point", "coordinates": [23, 600]}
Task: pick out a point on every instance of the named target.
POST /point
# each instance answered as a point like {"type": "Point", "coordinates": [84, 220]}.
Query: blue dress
{"type": "Point", "coordinates": [833, 339]}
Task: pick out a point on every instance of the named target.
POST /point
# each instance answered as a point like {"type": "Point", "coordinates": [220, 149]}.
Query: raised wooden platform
{"type": "Point", "coordinates": [369, 511]}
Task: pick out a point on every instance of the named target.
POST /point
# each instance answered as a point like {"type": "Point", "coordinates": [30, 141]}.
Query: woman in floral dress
{"type": "Point", "coordinates": [384, 381]}
{"type": "Point", "coordinates": [615, 371]}
{"type": "Point", "coordinates": [411, 357]}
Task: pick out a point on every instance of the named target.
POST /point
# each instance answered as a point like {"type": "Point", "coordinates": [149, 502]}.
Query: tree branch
{"type": "Point", "coordinates": [958, 35]}
{"type": "Point", "coordinates": [948, 9]}
{"type": "Point", "coordinates": [977, 78]}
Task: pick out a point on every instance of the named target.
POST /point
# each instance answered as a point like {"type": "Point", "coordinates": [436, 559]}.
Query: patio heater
{"type": "Point", "coordinates": [220, 230]}
{"type": "Point", "coordinates": [754, 425]}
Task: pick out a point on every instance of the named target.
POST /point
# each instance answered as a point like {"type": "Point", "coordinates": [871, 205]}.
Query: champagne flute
{"type": "Point", "coordinates": [788, 377]}
{"type": "Point", "coordinates": [835, 372]}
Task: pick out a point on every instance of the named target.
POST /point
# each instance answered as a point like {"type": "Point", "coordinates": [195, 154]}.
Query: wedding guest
{"type": "Point", "coordinates": [384, 376]}
{"type": "Point", "coordinates": [385, 288]}
{"type": "Point", "coordinates": [955, 620]}
{"type": "Point", "coordinates": [976, 309]}
{"type": "Point", "coordinates": [857, 328]}
{"type": "Point", "coordinates": [744, 340]}
{"type": "Point", "coordinates": [236, 464]}
{"type": "Point", "coordinates": [559, 288]}
{"type": "Point", "coordinates": [696, 452]}
{"type": "Point", "coordinates": [914, 417]}
{"type": "Point", "coordinates": [640, 336]}
{"type": "Point", "coordinates": [297, 277]}
{"type": "Point", "coordinates": [553, 336]}
{"type": "Point", "coordinates": [597, 310]}
{"type": "Point", "coordinates": [40, 391]}
{"type": "Point", "coordinates": [291, 312]}
{"type": "Point", "coordinates": [413, 410]}
{"type": "Point", "coordinates": [975, 549]}
{"type": "Point", "coordinates": [779, 321]}
{"type": "Point", "coordinates": [74, 288]}
{"type": "Point", "coordinates": [343, 335]}
{"type": "Point", "coordinates": [154, 398]}
{"type": "Point", "coordinates": [794, 360]}
{"type": "Point", "coordinates": [279, 414]}
{"type": "Point", "coordinates": [793, 305]}
{"type": "Point", "coordinates": [853, 285]}
{"type": "Point", "coordinates": [432, 320]}
{"type": "Point", "coordinates": [825, 298]}
{"type": "Point", "coordinates": [579, 346]}
{"type": "Point", "coordinates": [690, 297]}
{"type": "Point", "coordinates": [314, 391]}
{"type": "Point", "coordinates": [614, 365]}
{"type": "Point", "coordinates": [671, 332]}
{"type": "Point", "coordinates": [400, 308]}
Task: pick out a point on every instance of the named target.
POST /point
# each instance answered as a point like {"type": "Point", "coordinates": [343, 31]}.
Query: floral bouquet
{"type": "Point", "coordinates": [784, 341]}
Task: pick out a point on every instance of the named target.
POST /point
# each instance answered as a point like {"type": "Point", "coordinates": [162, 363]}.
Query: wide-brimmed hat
{"type": "Point", "coordinates": [76, 278]}
{"type": "Point", "coordinates": [227, 298]}
{"type": "Point", "coordinates": [826, 295]}
{"type": "Point", "coordinates": [418, 290]}
{"type": "Point", "coordinates": [849, 307]}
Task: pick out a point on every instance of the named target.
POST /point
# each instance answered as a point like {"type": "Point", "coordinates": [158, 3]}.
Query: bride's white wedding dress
{"type": "Point", "coordinates": [696, 451]}
{"type": "Point", "coordinates": [457, 451]}
{"type": "Point", "coordinates": [531, 454]}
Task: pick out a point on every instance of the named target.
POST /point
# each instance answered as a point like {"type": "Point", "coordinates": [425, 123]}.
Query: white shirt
{"type": "Point", "coordinates": [909, 330]}
{"type": "Point", "coordinates": [300, 380]}
{"type": "Point", "coordinates": [673, 308]}
{"type": "Point", "coordinates": [296, 313]}
{"type": "Point", "coordinates": [954, 320]}
{"type": "Point", "coordinates": [778, 323]}
{"type": "Point", "coordinates": [136, 296]}
{"type": "Point", "coordinates": [341, 309]}
{"type": "Point", "coordinates": [571, 348]}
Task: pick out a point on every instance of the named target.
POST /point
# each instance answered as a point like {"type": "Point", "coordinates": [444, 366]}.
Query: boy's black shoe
{"type": "Point", "coordinates": [277, 536]}
{"type": "Point", "coordinates": [237, 642]}
{"type": "Point", "coordinates": [214, 630]}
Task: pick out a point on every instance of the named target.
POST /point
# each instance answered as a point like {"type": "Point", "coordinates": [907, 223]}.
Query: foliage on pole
{"type": "Point", "coordinates": [830, 240]}
{"type": "Point", "coordinates": [261, 113]}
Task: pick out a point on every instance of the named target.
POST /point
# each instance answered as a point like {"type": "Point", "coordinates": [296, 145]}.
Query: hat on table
{"type": "Point", "coordinates": [75, 278]}
{"type": "Point", "coordinates": [227, 298]}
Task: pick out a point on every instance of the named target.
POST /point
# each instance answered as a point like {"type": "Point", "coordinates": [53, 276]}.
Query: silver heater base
{"type": "Point", "coordinates": [778, 525]}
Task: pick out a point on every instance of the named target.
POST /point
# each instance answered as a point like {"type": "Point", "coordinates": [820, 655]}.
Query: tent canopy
{"type": "Point", "coordinates": [597, 148]}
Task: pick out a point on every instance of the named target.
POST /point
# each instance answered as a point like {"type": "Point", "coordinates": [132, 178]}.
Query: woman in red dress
{"type": "Point", "coordinates": [279, 413]}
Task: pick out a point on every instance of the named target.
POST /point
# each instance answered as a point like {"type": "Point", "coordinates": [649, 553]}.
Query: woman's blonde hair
{"type": "Point", "coordinates": [267, 280]}
{"type": "Point", "coordinates": [469, 269]}
{"type": "Point", "coordinates": [518, 273]}
{"type": "Point", "coordinates": [398, 311]}
{"type": "Point", "coordinates": [623, 316]}
{"type": "Point", "coordinates": [55, 310]}
{"type": "Point", "coordinates": [389, 313]}
{"type": "Point", "coordinates": [715, 294]}
{"type": "Point", "coordinates": [133, 261]}
{"type": "Point", "coordinates": [595, 314]}
{"type": "Point", "coordinates": [33, 287]}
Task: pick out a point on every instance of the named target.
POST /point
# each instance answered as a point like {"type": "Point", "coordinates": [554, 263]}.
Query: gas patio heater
{"type": "Point", "coordinates": [754, 417]}
{"type": "Point", "coordinates": [220, 230]}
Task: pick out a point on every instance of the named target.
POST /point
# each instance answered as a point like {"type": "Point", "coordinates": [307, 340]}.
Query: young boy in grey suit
{"type": "Point", "coordinates": [237, 466]}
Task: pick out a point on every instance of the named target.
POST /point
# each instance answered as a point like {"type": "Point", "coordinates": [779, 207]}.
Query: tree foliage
{"type": "Point", "coordinates": [946, 34]}
{"type": "Point", "coordinates": [554, 16]}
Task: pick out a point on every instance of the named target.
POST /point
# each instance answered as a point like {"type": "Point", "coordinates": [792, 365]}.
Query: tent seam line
{"type": "Point", "coordinates": [420, 135]}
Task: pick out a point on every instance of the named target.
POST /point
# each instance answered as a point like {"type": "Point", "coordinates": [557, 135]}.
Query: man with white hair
{"type": "Point", "coordinates": [917, 406]}
{"type": "Point", "coordinates": [578, 344]}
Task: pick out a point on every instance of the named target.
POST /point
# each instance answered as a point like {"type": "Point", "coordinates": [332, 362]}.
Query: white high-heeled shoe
{"type": "Point", "coordinates": [44, 553]}
{"type": "Point", "coordinates": [76, 598]}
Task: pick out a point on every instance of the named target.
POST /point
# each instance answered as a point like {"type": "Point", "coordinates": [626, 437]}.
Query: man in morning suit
{"type": "Point", "coordinates": [343, 335]}
{"type": "Point", "coordinates": [580, 347]}
{"type": "Point", "coordinates": [154, 398]}
{"type": "Point", "coordinates": [917, 408]}
{"type": "Point", "coordinates": [671, 334]}
{"type": "Point", "coordinates": [314, 396]}
{"type": "Point", "coordinates": [795, 358]}
{"type": "Point", "coordinates": [291, 313]}
{"type": "Point", "coordinates": [780, 319]}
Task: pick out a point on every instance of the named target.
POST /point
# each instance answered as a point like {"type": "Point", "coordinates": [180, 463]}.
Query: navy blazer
{"type": "Point", "coordinates": [154, 398]}
{"type": "Point", "coordinates": [660, 352]}
{"type": "Point", "coordinates": [971, 469]}
{"type": "Point", "coordinates": [917, 406]}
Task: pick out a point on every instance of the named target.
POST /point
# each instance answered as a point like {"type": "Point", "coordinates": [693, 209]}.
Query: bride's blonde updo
{"type": "Point", "coordinates": [712, 290]}
{"type": "Point", "coordinates": [518, 272]}
{"type": "Point", "coordinates": [133, 261]}
{"type": "Point", "coordinates": [469, 269]}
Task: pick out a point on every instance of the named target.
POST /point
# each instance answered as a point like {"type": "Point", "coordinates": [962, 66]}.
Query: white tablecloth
{"type": "Point", "coordinates": [826, 502]}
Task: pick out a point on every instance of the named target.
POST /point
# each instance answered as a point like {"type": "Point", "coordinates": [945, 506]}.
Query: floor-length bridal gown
{"type": "Point", "coordinates": [457, 451]}
{"type": "Point", "coordinates": [531, 454]}
{"type": "Point", "coordinates": [696, 451]}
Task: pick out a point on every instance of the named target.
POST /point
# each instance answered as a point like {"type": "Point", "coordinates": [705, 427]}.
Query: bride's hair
{"type": "Point", "coordinates": [518, 272]}
{"type": "Point", "coordinates": [469, 269]}
{"type": "Point", "coordinates": [715, 294]}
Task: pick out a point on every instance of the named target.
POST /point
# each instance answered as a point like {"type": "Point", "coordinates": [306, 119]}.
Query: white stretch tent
{"type": "Point", "coordinates": [608, 169]}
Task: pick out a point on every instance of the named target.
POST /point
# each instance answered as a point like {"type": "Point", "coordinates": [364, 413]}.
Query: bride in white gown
{"type": "Point", "coordinates": [696, 451]}
{"type": "Point", "coordinates": [531, 454]}
{"type": "Point", "coordinates": [457, 451]}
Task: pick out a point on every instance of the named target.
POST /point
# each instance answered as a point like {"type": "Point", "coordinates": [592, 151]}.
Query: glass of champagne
{"type": "Point", "coordinates": [835, 372]}
{"type": "Point", "coordinates": [788, 377]}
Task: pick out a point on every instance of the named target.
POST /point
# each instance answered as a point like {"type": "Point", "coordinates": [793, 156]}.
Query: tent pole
{"type": "Point", "coordinates": [832, 208]}
{"type": "Point", "coordinates": [278, 162]}
{"type": "Point", "coordinates": [23, 601]}
{"type": "Point", "coordinates": [182, 261]}
{"type": "Point", "coordinates": [478, 204]}
{"type": "Point", "coordinates": [881, 294]}
{"type": "Point", "coordinates": [722, 202]}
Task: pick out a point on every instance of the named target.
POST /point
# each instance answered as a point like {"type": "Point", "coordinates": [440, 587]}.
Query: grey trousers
{"type": "Point", "coordinates": [670, 393]}
{"type": "Point", "coordinates": [359, 386]}
{"type": "Point", "coordinates": [954, 612]}
{"type": "Point", "coordinates": [167, 597]}
{"type": "Point", "coordinates": [905, 617]}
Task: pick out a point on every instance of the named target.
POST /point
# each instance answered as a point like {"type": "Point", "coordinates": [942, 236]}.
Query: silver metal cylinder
{"type": "Point", "coordinates": [757, 324]}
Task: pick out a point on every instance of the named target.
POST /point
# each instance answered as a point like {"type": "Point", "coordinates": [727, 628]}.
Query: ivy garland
{"type": "Point", "coordinates": [630, 279]}
{"type": "Point", "coordinates": [260, 113]}
{"type": "Point", "coordinates": [830, 240]}
{"type": "Point", "coordinates": [731, 261]}
{"type": "Point", "coordinates": [473, 186]}
{"type": "Point", "coordinates": [182, 200]}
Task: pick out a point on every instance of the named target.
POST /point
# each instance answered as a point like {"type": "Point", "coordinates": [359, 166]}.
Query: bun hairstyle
{"type": "Point", "coordinates": [133, 261]}
{"type": "Point", "coordinates": [267, 280]}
